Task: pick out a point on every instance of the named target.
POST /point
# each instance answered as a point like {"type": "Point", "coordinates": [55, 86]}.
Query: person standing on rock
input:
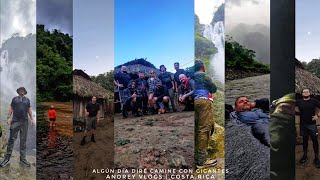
{"type": "Point", "coordinates": [308, 127]}
{"type": "Point", "coordinates": [93, 117]}
{"type": "Point", "coordinates": [20, 108]}
{"type": "Point", "coordinates": [203, 114]}
{"type": "Point", "coordinates": [52, 116]}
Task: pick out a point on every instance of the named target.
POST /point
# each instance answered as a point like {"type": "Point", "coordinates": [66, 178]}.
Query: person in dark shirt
{"type": "Point", "coordinates": [20, 109]}
{"type": "Point", "coordinates": [142, 87]}
{"type": "Point", "coordinates": [93, 117]}
{"type": "Point", "coordinates": [132, 98]}
{"type": "Point", "coordinates": [176, 75]}
{"type": "Point", "coordinates": [160, 97]}
{"type": "Point", "coordinates": [167, 80]}
{"type": "Point", "coordinates": [308, 117]}
{"type": "Point", "coordinates": [203, 107]}
{"type": "Point", "coordinates": [121, 81]}
{"type": "Point", "coordinates": [186, 90]}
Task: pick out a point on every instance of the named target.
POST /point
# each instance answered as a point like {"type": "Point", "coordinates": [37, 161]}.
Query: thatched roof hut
{"type": "Point", "coordinates": [306, 79]}
{"type": "Point", "coordinates": [134, 66]}
{"type": "Point", "coordinates": [83, 90]}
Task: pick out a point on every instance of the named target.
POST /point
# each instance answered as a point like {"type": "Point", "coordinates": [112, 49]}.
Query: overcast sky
{"type": "Point", "coordinates": [17, 17]}
{"type": "Point", "coordinates": [247, 12]}
{"type": "Point", "coordinates": [93, 36]}
{"type": "Point", "coordinates": [307, 30]}
{"type": "Point", "coordinates": [55, 14]}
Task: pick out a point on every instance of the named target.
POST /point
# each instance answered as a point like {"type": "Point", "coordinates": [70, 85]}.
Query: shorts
{"type": "Point", "coordinates": [308, 130]}
{"type": "Point", "coordinates": [52, 119]}
{"type": "Point", "coordinates": [91, 123]}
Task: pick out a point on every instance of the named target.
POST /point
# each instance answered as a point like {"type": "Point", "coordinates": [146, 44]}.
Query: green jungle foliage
{"type": "Point", "coordinates": [54, 65]}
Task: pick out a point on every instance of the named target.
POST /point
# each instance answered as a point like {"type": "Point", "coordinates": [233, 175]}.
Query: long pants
{"type": "Point", "coordinates": [135, 105]}
{"type": "Point", "coordinates": [171, 96]}
{"type": "Point", "coordinates": [203, 123]}
{"type": "Point", "coordinates": [15, 128]}
{"type": "Point", "coordinates": [145, 102]}
{"type": "Point", "coordinates": [311, 130]}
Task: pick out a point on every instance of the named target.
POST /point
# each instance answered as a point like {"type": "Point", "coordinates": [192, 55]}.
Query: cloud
{"type": "Point", "coordinates": [17, 17]}
{"type": "Point", "coordinates": [239, 2]}
{"type": "Point", "coordinates": [56, 14]}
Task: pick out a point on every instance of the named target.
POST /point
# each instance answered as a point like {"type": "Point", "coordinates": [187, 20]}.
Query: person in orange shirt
{"type": "Point", "coordinates": [52, 116]}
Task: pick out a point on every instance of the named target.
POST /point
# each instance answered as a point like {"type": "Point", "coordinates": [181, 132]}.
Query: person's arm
{"type": "Point", "coordinates": [9, 116]}
{"type": "Point", "coordinates": [10, 111]}
{"type": "Point", "coordinates": [31, 117]}
{"type": "Point", "coordinates": [210, 83]}
{"type": "Point", "coordinates": [192, 85]}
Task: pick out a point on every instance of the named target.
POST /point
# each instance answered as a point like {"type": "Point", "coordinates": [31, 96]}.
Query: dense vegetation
{"type": "Point", "coordinates": [240, 58]}
{"type": "Point", "coordinates": [105, 80]}
{"type": "Point", "coordinates": [54, 65]}
{"type": "Point", "coordinates": [313, 66]}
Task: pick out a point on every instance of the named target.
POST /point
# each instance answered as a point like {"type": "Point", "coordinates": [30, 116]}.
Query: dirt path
{"type": "Point", "coordinates": [54, 148]}
{"type": "Point", "coordinates": [307, 170]}
{"type": "Point", "coordinates": [99, 155]}
{"type": "Point", "coordinates": [155, 141]}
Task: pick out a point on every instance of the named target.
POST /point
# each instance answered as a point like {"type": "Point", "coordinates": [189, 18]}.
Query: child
{"type": "Point", "coordinates": [52, 116]}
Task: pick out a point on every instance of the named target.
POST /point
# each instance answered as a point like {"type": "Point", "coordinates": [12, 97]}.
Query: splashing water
{"type": "Point", "coordinates": [216, 35]}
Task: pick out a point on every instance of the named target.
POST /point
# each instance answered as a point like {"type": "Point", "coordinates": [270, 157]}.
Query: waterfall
{"type": "Point", "coordinates": [216, 35]}
{"type": "Point", "coordinates": [17, 73]}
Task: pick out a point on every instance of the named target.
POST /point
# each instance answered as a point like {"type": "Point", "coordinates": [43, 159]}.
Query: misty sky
{"type": "Point", "coordinates": [55, 14]}
{"type": "Point", "coordinates": [247, 12]}
{"type": "Point", "coordinates": [17, 17]}
{"type": "Point", "coordinates": [93, 49]}
{"type": "Point", "coordinates": [307, 30]}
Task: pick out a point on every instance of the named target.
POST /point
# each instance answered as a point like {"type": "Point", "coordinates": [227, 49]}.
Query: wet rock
{"type": "Point", "coordinates": [246, 157]}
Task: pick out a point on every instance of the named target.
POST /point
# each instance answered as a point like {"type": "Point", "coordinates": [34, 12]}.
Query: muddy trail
{"type": "Point", "coordinates": [54, 150]}
{"type": "Point", "coordinates": [253, 87]}
{"type": "Point", "coordinates": [94, 156]}
{"type": "Point", "coordinates": [306, 170]}
{"type": "Point", "coordinates": [163, 141]}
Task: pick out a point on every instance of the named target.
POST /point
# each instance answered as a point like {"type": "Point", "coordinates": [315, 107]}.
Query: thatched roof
{"type": "Point", "coordinates": [305, 79]}
{"type": "Point", "coordinates": [134, 66]}
{"type": "Point", "coordinates": [84, 87]}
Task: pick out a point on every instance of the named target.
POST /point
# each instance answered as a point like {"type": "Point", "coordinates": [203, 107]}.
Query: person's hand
{"type": "Point", "coordinates": [98, 121]}
{"type": "Point", "coordinates": [315, 117]}
{"type": "Point", "coordinates": [32, 122]}
{"type": "Point", "coordinates": [120, 85]}
{"type": "Point", "coordinates": [87, 113]}
{"type": "Point", "coordinates": [182, 98]}
{"type": "Point", "coordinates": [134, 95]}
{"type": "Point", "coordinates": [9, 122]}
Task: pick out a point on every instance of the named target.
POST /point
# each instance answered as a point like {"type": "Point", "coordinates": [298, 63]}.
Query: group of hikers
{"type": "Point", "coordinates": [155, 93]}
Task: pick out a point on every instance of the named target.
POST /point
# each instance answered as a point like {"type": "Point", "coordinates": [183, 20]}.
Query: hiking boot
{"type": "Point", "coordinates": [208, 163]}
{"type": "Point", "coordinates": [303, 159]}
{"type": "Point", "coordinates": [5, 162]}
{"type": "Point", "coordinates": [316, 162]}
{"type": "Point", "coordinates": [24, 162]}
{"type": "Point", "coordinates": [92, 138]}
{"type": "Point", "coordinates": [83, 142]}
